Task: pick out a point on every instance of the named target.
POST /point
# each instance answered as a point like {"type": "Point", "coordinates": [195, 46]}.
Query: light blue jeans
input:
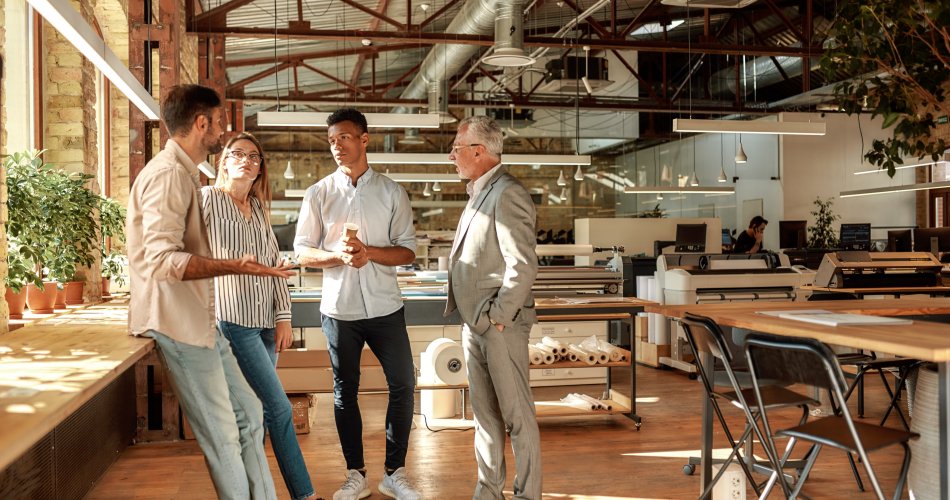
{"type": "Point", "coordinates": [224, 414]}
{"type": "Point", "coordinates": [254, 350]}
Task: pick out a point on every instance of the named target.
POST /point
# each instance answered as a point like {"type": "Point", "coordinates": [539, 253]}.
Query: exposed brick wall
{"type": "Point", "coordinates": [113, 20]}
{"type": "Point", "coordinates": [4, 310]}
{"type": "Point", "coordinates": [70, 134]}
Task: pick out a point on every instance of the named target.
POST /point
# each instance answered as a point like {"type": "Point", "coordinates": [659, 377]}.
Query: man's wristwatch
{"type": "Point", "coordinates": [493, 322]}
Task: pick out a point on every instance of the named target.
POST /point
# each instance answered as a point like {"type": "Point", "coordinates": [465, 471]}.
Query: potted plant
{"type": "Point", "coordinates": [822, 231]}
{"type": "Point", "coordinates": [112, 231]}
{"type": "Point", "coordinates": [50, 221]}
{"type": "Point", "coordinates": [19, 274]}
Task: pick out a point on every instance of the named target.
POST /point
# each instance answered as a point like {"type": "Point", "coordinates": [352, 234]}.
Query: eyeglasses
{"type": "Point", "coordinates": [457, 147]}
{"type": "Point", "coordinates": [241, 155]}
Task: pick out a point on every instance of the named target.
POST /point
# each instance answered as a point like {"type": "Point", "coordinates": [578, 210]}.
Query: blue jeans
{"type": "Point", "coordinates": [388, 339]}
{"type": "Point", "coordinates": [224, 414]}
{"type": "Point", "coordinates": [255, 353]}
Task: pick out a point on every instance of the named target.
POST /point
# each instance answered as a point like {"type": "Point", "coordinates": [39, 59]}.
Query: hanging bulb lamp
{"type": "Point", "coordinates": [437, 186]}
{"type": "Point", "coordinates": [289, 172]}
{"type": "Point", "coordinates": [740, 154]}
{"type": "Point", "coordinates": [579, 174]}
{"type": "Point", "coordinates": [563, 194]}
{"type": "Point", "coordinates": [722, 175]}
{"type": "Point", "coordinates": [561, 181]}
{"type": "Point", "coordinates": [426, 191]}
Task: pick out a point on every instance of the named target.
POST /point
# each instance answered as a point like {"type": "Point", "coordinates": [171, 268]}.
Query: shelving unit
{"type": "Point", "coordinates": [620, 403]}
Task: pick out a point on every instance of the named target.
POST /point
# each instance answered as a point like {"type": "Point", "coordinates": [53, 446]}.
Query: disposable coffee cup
{"type": "Point", "coordinates": [443, 263]}
{"type": "Point", "coordinates": [350, 229]}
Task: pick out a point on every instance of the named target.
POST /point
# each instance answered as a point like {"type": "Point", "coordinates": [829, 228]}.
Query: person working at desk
{"type": "Point", "coordinates": [492, 266]}
{"type": "Point", "coordinates": [170, 265]}
{"type": "Point", "coordinates": [750, 240]}
{"type": "Point", "coordinates": [356, 225]}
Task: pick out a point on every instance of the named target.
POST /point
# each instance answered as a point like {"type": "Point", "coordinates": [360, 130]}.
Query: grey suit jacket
{"type": "Point", "coordinates": [493, 262]}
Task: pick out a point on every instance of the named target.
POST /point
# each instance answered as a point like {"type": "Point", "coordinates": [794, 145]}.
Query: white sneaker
{"type": "Point", "coordinates": [397, 485]}
{"type": "Point", "coordinates": [354, 488]}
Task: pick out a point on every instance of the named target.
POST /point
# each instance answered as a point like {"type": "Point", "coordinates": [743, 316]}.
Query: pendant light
{"type": "Point", "coordinates": [426, 191]}
{"type": "Point", "coordinates": [437, 186]}
{"type": "Point", "coordinates": [740, 153]}
{"type": "Point", "coordinates": [564, 194]}
{"type": "Point", "coordinates": [722, 166]}
{"type": "Point", "coordinates": [561, 181]}
{"type": "Point", "coordinates": [695, 181]}
{"type": "Point", "coordinates": [289, 172]}
{"type": "Point", "coordinates": [579, 174]}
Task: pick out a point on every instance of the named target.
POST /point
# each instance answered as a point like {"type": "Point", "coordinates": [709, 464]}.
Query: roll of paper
{"type": "Point", "coordinates": [576, 402]}
{"type": "Point", "coordinates": [597, 403]}
{"type": "Point", "coordinates": [592, 345]}
{"type": "Point", "coordinates": [444, 362]}
{"type": "Point", "coordinates": [556, 344]}
{"type": "Point", "coordinates": [612, 351]}
{"type": "Point", "coordinates": [582, 355]}
{"type": "Point", "coordinates": [537, 356]}
{"type": "Point", "coordinates": [545, 250]}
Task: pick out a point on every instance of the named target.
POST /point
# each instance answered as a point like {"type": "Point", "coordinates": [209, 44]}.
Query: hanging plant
{"type": "Point", "coordinates": [822, 230]}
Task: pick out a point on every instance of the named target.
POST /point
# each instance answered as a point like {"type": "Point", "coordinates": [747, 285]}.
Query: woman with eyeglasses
{"type": "Point", "coordinates": [253, 313]}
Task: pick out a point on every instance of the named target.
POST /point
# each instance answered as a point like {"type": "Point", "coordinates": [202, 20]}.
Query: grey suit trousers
{"type": "Point", "coordinates": [497, 364]}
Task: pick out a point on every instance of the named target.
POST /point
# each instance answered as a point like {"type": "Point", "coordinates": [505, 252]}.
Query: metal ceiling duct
{"type": "Point", "coordinates": [509, 38]}
{"type": "Point", "coordinates": [439, 101]}
{"type": "Point", "coordinates": [477, 17]}
{"type": "Point", "coordinates": [760, 72]}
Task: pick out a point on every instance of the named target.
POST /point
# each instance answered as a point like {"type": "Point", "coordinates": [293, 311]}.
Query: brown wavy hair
{"type": "Point", "coordinates": [261, 187]}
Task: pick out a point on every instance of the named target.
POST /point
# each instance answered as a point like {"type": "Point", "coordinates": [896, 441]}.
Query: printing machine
{"type": "Point", "coordinates": [708, 278]}
{"type": "Point", "coordinates": [579, 281]}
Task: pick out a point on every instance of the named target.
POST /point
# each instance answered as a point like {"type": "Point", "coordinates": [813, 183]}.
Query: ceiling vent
{"type": "Point", "coordinates": [565, 75]}
{"type": "Point", "coordinates": [509, 38]}
{"type": "Point", "coordinates": [411, 137]}
{"type": "Point", "coordinates": [709, 4]}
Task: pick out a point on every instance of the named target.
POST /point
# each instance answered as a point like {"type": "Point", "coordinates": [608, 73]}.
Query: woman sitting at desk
{"type": "Point", "coordinates": [750, 240]}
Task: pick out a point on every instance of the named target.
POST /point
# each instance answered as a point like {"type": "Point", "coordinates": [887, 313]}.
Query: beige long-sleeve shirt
{"type": "Point", "coordinates": [164, 228]}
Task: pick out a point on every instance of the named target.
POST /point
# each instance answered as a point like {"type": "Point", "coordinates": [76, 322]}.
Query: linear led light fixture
{"type": "Point", "coordinates": [680, 190]}
{"type": "Point", "coordinates": [443, 159]}
{"type": "Point", "coordinates": [422, 177]}
{"type": "Point", "coordinates": [62, 16]}
{"type": "Point", "coordinates": [747, 127]}
{"type": "Point", "coordinates": [895, 189]}
{"type": "Point", "coordinates": [294, 193]}
{"type": "Point", "coordinates": [373, 120]}
{"type": "Point", "coordinates": [902, 167]}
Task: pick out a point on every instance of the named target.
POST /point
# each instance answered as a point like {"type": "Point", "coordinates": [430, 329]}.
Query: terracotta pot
{"type": "Point", "coordinates": [16, 302]}
{"type": "Point", "coordinates": [41, 301]}
{"type": "Point", "coordinates": [105, 287]}
{"type": "Point", "coordinates": [60, 302]}
{"type": "Point", "coordinates": [73, 292]}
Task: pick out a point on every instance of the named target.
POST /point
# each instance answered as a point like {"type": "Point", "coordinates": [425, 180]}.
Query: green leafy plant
{"type": "Point", "coordinates": [822, 231]}
{"type": "Point", "coordinates": [50, 218]}
{"type": "Point", "coordinates": [897, 55]}
{"type": "Point", "coordinates": [112, 225]}
{"type": "Point", "coordinates": [654, 213]}
{"type": "Point", "coordinates": [19, 270]}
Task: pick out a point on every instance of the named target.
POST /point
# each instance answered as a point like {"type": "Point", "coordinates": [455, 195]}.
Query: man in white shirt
{"type": "Point", "coordinates": [172, 300]}
{"type": "Point", "coordinates": [361, 302]}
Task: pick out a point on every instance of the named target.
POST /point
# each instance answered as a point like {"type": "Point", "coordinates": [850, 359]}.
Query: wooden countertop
{"type": "Point", "coordinates": [920, 339]}
{"type": "Point", "coordinates": [50, 368]}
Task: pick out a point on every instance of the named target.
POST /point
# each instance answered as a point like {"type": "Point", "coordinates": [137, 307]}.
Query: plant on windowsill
{"type": "Point", "coordinates": [822, 231]}
{"type": "Point", "coordinates": [51, 223]}
{"type": "Point", "coordinates": [112, 228]}
{"type": "Point", "coordinates": [654, 213]}
{"type": "Point", "coordinates": [19, 275]}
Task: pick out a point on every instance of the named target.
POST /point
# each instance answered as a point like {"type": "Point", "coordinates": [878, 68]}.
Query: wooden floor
{"type": "Point", "coordinates": [600, 457]}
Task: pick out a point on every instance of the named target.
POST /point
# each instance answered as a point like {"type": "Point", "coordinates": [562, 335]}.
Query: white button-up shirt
{"type": "Point", "coordinates": [381, 208]}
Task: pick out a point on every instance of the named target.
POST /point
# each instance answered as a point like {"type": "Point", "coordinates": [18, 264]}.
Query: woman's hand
{"type": "Point", "coordinates": [283, 336]}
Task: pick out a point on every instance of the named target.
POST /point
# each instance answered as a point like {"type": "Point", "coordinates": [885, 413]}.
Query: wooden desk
{"type": "Point", "coordinates": [49, 369]}
{"type": "Point", "coordinates": [933, 291]}
{"type": "Point", "coordinates": [921, 339]}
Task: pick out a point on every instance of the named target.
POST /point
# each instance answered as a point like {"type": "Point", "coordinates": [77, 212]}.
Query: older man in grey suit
{"type": "Point", "coordinates": [491, 270]}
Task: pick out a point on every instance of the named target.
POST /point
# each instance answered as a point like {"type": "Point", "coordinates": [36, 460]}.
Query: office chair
{"type": "Point", "coordinates": [868, 362]}
{"type": "Point", "coordinates": [709, 344]}
{"type": "Point", "coordinates": [796, 360]}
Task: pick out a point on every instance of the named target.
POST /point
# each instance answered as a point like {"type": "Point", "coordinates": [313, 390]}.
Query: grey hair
{"type": "Point", "coordinates": [487, 132]}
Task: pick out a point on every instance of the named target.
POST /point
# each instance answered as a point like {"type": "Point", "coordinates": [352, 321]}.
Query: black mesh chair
{"type": "Point", "coordinates": [723, 383]}
{"type": "Point", "coordinates": [807, 361]}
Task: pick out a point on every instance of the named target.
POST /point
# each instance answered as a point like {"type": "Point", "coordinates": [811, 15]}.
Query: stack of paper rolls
{"type": "Point", "coordinates": [550, 350]}
{"type": "Point", "coordinates": [582, 354]}
{"type": "Point", "coordinates": [612, 351]}
{"type": "Point", "coordinates": [560, 348]}
{"type": "Point", "coordinates": [537, 356]}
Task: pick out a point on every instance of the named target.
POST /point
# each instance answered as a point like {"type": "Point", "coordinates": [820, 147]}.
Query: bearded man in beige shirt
{"type": "Point", "coordinates": [172, 299]}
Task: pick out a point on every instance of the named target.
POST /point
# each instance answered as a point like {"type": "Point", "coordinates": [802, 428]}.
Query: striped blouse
{"type": "Point", "coordinates": [251, 301]}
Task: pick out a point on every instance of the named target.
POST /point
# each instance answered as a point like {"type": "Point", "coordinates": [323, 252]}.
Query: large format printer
{"type": "Point", "coordinates": [686, 278]}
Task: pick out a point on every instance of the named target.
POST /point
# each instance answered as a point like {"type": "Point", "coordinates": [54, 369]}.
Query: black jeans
{"type": "Point", "coordinates": [388, 339]}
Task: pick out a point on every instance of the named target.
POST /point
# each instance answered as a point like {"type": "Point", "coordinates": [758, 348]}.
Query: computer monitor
{"type": "Point", "coordinates": [856, 236]}
{"type": "Point", "coordinates": [285, 234]}
{"type": "Point", "coordinates": [792, 233]}
{"type": "Point", "coordinates": [900, 240]}
{"type": "Point", "coordinates": [726, 237]}
{"type": "Point", "coordinates": [924, 239]}
{"type": "Point", "coordinates": [690, 238]}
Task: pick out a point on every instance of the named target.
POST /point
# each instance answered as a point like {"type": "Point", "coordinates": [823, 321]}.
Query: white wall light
{"type": "Point", "coordinates": [747, 127]}
{"type": "Point", "coordinates": [62, 16]}
{"type": "Point", "coordinates": [373, 120]}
